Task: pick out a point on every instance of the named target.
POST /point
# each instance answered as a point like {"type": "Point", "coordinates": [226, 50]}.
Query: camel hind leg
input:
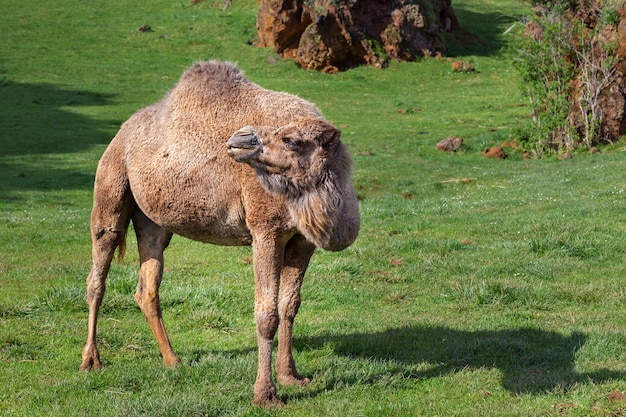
{"type": "Point", "coordinates": [113, 206]}
{"type": "Point", "coordinates": [152, 241]}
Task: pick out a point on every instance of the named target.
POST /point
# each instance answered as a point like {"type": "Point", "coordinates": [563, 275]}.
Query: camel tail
{"type": "Point", "coordinates": [121, 249]}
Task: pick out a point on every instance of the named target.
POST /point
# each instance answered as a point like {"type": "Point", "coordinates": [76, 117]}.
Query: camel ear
{"type": "Point", "coordinates": [330, 137]}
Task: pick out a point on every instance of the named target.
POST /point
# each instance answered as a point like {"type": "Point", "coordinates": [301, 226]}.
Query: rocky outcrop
{"type": "Point", "coordinates": [334, 35]}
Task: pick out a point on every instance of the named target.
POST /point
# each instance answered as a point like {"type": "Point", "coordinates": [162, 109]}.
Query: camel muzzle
{"type": "Point", "coordinates": [243, 144]}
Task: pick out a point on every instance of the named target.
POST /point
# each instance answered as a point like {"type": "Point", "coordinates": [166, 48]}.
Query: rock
{"type": "Point", "coordinates": [334, 36]}
{"type": "Point", "coordinates": [462, 66]}
{"type": "Point", "coordinates": [494, 152]}
{"type": "Point", "coordinates": [450, 144]}
{"type": "Point", "coordinates": [280, 23]}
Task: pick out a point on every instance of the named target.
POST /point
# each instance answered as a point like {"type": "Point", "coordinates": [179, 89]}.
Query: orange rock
{"type": "Point", "coordinates": [494, 152]}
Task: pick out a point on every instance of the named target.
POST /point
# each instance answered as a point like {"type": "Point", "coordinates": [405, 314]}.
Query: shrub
{"type": "Point", "coordinates": [564, 66]}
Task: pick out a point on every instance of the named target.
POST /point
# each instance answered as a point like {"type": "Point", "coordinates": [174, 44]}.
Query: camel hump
{"type": "Point", "coordinates": [214, 71]}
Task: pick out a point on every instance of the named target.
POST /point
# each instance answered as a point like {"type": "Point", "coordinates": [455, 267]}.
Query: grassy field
{"type": "Point", "coordinates": [476, 287]}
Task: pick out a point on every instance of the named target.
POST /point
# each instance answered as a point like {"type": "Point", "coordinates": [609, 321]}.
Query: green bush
{"type": "Point", "coordinates": [564, 66]}
{"type": "Point", "coordinates": [544, 60]}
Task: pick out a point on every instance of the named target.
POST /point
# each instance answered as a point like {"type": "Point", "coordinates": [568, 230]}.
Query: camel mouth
{"type": "Point", "coordinates": [240, 154]}
{"type": "Point", "coordinates": [243, 145]}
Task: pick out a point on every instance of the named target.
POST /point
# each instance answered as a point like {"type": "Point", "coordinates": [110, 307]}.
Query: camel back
{"type": "Point", "coordinates": [218, 94]}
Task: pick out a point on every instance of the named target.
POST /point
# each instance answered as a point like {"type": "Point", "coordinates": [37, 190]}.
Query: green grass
{"type": "Point", "coordinates": [499, 296]}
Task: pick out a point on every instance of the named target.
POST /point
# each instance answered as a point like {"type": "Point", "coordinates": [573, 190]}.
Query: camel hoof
{"type": "Point", "coordinates": [171, 362]}
{"type": "Point", "coordinates": [293, 380]}
{"type": "Point", "coordinates": [265, 396]}
{"type": "Point", "coordinates": [267, 402]}
{"type": "Point", "coordinates": [89, 364]}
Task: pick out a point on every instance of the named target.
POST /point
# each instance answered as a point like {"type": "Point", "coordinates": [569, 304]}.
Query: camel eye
{"type": "Point", "coordinates": [290, 143]}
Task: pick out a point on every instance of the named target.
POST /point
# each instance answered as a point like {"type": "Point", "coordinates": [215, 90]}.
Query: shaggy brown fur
{"type": "Point", "coordinates": [281, 183]}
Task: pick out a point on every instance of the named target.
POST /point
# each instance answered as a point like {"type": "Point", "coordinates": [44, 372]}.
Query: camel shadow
{"type": "Point", "coordinates": [41, 119]}
{"type": "Point", "coordinates": [531, 361]}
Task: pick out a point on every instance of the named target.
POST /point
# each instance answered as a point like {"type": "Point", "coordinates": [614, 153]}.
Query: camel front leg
{"type": "Point", "coordinates": [297, 256]}
{"type": "Point", "coordinates": [267, 256]}
{"type": "Point", "coordinates": [152, 241]}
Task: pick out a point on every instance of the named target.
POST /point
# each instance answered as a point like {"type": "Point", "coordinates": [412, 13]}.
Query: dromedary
{"type": "Point", "coordinates": [175, 167]}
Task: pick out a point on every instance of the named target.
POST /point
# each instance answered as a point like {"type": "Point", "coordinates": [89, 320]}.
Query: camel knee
{"type": "Point", "coordinates": [148, 302]}
{"type": "Point", "coordinates": [289, 309]}
{"type": "Point", "coordinates": [146, 297]}
{"type": "Point", "coordinates": [105, 240]}
{"type": "Point", "coordinates": [108, 236]}
{"type": "Point", "coordinates": [96, 285]}
{"type": "Point", "coordinates": [266, 324]}
{"type": "Point", "coordinates": [147, 294]}
{"type": "Point", "coordinates": [95, 294]}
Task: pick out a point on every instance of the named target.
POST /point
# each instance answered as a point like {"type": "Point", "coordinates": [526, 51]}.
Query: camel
{"type": "Point", "coordinates": [222, 160]}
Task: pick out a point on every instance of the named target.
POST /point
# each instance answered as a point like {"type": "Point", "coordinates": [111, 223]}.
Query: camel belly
{"type": "Point", "coordinates": [222, 236]}
{"type": "Point", "coordinates": [199, 210]}
{"type": "Point", "coordinates": [216, 225]}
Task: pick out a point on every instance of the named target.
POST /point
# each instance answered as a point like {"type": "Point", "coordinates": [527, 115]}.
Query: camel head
{"type": "Point", "coordinates": [306, 163]}
{"type": "Point", "coordinates": [291, 159]}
